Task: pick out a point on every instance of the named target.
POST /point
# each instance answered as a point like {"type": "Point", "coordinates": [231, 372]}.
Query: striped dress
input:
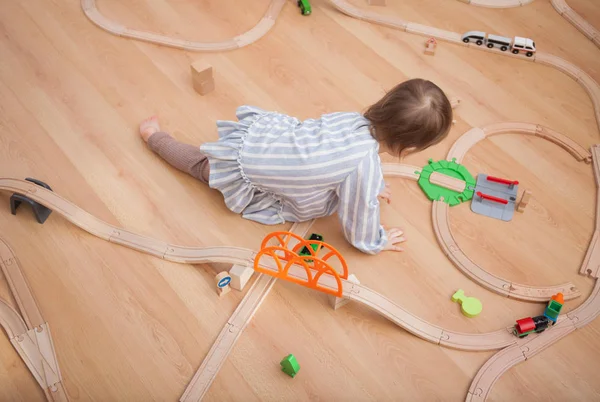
{"type": "Point", "coordinates": [274, 168]}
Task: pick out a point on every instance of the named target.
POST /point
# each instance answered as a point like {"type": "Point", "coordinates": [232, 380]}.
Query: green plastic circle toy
{"type": "Point", "coordinates": [449, 168]}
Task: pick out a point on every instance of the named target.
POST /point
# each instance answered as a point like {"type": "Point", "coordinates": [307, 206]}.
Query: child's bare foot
{"type": "Point", "coordinates": [149, 127]}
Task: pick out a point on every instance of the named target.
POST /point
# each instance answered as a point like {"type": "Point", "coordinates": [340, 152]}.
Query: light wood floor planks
{"type": "Point", "coordinates": [128, 326]}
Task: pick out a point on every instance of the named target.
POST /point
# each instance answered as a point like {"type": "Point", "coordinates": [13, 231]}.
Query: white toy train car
{"type": "Point", "coordinates": [516, 45]}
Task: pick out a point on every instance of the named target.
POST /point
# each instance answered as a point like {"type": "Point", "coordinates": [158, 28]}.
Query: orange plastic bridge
{"type": "Point", "coordinates": [314, 266]}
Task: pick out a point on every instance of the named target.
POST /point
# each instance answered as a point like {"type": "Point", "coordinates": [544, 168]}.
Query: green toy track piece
{"type": "Point", "coordinates": [449, 168]}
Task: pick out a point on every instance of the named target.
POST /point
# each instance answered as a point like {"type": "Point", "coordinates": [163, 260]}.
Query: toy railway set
{"type": "Point", "coordinates": [309, 262]}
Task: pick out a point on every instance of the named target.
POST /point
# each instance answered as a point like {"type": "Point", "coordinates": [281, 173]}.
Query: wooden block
{"type": "Point", "coordinates": [337, 302]}
{"type": "Point", "coordinates": [240, 275]}
{"type": "Point", "coordinates": [524, 201]}
{"type": "Point", "coordinates": [202, 77]}
{"type": "Point", "coordinates": [376, 2]}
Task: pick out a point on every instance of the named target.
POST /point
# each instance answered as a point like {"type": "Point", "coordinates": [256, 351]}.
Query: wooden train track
{"type": "Point", "coordinates": [489, 281]}
{"type": "Point", "coordinates": [258, 31]}
{"type": "Point", "coordinates": [577, 21]}
{"type": "Point", "coordinates": [27, 331]}
{"type": "Point", "coordinates": [476, 134]}
{"type": "Point", "coordinates": [497, 3]}
{"type": "Point", "coordinates": [534, 344]}
{"type": "Point", "coordinates": [15, 324]}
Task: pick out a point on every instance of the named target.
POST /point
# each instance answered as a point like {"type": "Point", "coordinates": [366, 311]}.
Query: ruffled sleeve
{"type": "Point", "coordinates": [359, 209]}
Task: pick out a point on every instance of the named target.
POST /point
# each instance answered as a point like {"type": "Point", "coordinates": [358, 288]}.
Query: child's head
{"type": "Point", "coordinates": [415, 114]}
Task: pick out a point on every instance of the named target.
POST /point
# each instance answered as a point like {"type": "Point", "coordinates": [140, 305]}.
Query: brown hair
{"type": "Point", "coordinates": [414, 114]}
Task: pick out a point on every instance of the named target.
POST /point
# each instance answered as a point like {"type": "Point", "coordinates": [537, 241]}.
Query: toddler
{"type": "Point", "coordinates": [274, 168]}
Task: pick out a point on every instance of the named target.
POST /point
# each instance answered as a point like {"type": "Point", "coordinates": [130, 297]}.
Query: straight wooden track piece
{"type": "Point", "coordinates": [499, 3]}
{"type": "Point", "coordinates": [229, 335]}
{"type": "Point", "coordinates": [448, 182]}
{"type": "Point", "coordinates": [251, 36]}
{"type": "Point", "coordinates": [591, 261]}
{"type": "Point", "coordinates": [441, 34]}
{"type": "Point", "coordinates": [19, 287]}
{"type": "Point", "coordinates": [491, 282]}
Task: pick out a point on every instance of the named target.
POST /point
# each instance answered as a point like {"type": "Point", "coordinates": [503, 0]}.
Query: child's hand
{"type": "Point", "coordinates": [386, 194]}
{"type": "Point", "coordinates": [394, 237]}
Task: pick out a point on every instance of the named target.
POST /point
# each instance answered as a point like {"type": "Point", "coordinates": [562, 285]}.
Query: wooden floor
{"type": "Point", "coordinates": [131, 327]}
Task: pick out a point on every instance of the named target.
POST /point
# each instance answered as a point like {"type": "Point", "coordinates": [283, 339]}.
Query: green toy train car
{"type": "Point", "coordinates": [314, 246]}
{"type": "Point", "coordinates": [305, 7]}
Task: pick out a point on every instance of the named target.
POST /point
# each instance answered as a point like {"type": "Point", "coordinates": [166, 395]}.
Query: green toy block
{"type": "Point", "coordinates": [470, 306]}
{"type": "Point", "coordinates": [289, 365]}
{"type": "Point", "coordinates": [449, 168]}
{"type": "Point", "coordinates": [553, 309]}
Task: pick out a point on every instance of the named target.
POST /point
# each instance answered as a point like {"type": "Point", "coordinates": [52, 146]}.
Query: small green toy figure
{"type": "Point", "coordinates": [289, 365]}
{"type": "Point", "coordinates": [305, 7]}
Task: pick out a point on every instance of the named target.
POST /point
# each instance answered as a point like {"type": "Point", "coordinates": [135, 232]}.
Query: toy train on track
{"type": "Point", "coordinates": [540, 323]}
{"type": "Point", "coordinates": [516, 45]}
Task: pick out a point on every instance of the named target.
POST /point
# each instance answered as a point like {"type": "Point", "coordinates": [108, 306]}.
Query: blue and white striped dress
{"type": "Point", "coordinates": [273, 168]}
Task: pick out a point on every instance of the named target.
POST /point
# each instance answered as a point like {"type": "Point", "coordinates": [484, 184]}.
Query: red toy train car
{"type": "Point", "coordinates": [540, 323]}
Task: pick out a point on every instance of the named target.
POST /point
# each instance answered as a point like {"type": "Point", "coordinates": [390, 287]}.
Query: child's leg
{"type": "Point", "coordinates": [185, 157]}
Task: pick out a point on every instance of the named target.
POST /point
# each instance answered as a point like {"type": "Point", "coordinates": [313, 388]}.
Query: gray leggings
{"type": "Point", "coordinates": [185, 157]}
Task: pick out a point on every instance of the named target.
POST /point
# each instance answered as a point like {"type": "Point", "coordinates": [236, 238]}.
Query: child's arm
{"type": "Point", "coordinates": [358, 210]}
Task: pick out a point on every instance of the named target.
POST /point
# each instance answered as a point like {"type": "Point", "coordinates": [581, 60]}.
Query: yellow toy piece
{"type": "Point", "coordinates": [470, 306]}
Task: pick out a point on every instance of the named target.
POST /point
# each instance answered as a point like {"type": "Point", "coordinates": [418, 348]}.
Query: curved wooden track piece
{"type": "Point", "coordinates": [28, 332]}
{"type": "Point", "coordinates": [254, 34]}
{"type": "Point", "coordinates": [591, 261]}
{"type": "Point", "coordinates": [577, 21]}
{"type": "Point", "coordinates": [473, 136]}
{"type": "Point", "coordinates": [401, 170]}
{"type": "Point", "coordinates": [11, 321]}
{"type": "Point", "coordinates": [491, 371]}
{"type": "Point", "coordinates": [497, 3]}
{"type": "Point", "coordinates": [494, 283]}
